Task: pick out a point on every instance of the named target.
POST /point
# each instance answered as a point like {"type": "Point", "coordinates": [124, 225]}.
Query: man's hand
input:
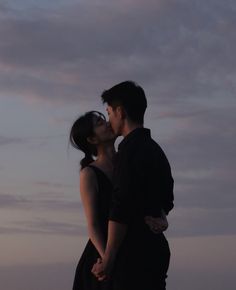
{"type": "Point", "coordinates": [100, 270]}
{"type": "Point", "coordinates": [157, 225]}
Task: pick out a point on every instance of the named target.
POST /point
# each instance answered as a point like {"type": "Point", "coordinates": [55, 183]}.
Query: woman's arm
{"type": "Point", "coordinates": [89, 197]}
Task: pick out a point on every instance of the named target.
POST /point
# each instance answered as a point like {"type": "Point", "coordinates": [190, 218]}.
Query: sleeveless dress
{"type": "Point", "coordinates": [84, 279]}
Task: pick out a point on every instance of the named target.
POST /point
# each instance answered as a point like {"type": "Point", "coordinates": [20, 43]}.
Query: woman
{"type": "Point", "coordinates": [93, 135]}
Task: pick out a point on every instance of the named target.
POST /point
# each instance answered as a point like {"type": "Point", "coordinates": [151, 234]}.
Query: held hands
{"type": "Point", "coordinates": [157, 224]}
{"type": "Point", "coordinates": [100, 270]}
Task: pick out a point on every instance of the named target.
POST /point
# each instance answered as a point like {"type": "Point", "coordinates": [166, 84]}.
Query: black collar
{"type": "Point", "coordinates": [136, 133]}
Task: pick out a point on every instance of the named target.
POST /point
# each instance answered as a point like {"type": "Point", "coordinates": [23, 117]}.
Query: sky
{"type": "Point", "coordinates": [56, 58]}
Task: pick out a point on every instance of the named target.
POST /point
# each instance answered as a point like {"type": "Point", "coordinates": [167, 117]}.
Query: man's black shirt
{"type": "Point", "coordinates": [143, 184]}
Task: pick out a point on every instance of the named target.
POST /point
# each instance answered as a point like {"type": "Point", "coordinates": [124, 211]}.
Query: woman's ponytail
{"type": "Point", "coordinates": [86, 160]}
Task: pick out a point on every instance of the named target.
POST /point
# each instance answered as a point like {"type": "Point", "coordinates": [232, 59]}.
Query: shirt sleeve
{"type": "Point", "coordinates": [124, 189]}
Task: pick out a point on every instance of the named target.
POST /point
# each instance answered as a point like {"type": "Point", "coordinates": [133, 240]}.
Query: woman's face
{"type": "Point", "coordinates": [102, 129]}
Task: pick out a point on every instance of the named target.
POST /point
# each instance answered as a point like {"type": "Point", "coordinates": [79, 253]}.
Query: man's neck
{"type": "Point", "coordinates": [129, 127]}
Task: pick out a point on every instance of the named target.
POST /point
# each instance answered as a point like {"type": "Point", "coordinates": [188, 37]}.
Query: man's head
{"type": "Point", "coordinates": [126, 102]}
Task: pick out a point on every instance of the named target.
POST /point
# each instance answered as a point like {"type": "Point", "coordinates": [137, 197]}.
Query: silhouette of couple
{"type": "Point", "coordinates": [126, 196]}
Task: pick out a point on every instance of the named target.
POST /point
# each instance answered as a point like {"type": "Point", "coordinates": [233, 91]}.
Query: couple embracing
{"type": "Point", "coordinates": [126, 196]}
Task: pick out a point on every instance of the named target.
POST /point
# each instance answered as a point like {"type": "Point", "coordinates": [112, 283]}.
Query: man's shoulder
{"type": "Point", "coordinates": [150, 145]}
{"type": "Point", "coordinates": [141, 145]}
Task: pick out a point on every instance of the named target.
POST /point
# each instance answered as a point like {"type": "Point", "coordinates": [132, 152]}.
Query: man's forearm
{"type": "Point", "coordinates": [116, 235]}
{"type": "Point", "coordinates": [97, 238]}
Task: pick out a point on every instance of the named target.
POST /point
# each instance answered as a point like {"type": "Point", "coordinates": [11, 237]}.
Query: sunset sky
{"type": "Point", "coordinates": [56, 58]}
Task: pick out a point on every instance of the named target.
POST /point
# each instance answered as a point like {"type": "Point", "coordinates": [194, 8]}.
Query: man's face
{"type": "Point", "coordinates": [115, 119]}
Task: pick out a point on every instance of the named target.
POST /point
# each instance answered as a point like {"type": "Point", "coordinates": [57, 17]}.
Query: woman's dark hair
{"type": "Point", "coordinates": [129, 95]}
{"type": "Point", "coordinates": [83, 128]}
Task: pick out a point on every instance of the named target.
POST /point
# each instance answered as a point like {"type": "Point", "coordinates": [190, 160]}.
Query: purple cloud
{"type": "Point", "coordinates": [4, 140]}
{"type": "Point", "coordinates": [176, 50]}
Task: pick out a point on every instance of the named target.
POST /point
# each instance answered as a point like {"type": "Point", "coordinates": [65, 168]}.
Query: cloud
{"type": "Point", "coordinates": [41, 205]}
{"type": "Point", "coordinates": [200, 144]}
{"type": "Point", "coordinates": [41, 201]}
{"type": "Point", "coordinates": [48, 184]}
{"type": "Point", "coordinates": [4, 140]}
{"type": "Point", "coordinates": [181, 52]}
{"type": "Point", "coordinates": [3, 7]}
{"type": "Point", "coordinates": [31, 142]}
{"type": "Point", "coordinates": [176, 50]}
{"type": "Point", "coordinates": [7, 200]}
{"type": "Point", "coordinates": [201, 221]}
{"type": "Point", "coordinates": [43, 226]}
{"type": "Point", "coordinates": [201, 153]}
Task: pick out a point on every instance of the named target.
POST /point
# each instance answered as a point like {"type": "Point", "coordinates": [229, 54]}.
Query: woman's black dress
{"type": "Point", "coordinates": [84, 279]}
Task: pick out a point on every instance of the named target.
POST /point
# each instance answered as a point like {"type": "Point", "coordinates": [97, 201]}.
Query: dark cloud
{"type": "Point", "coordinates": [48, 184]}
{"type": "Point", "coordinates": [4, 140]}
{"type": "Point", "coordinates": [41, 202]}
{"type": "Point", "coordinates": [199, 221]}
{"type": "Point", "coordinates": [201, 152]}
{"type": "Point", "coordinates": [53, 204]}
{"type": "Point", "coordinates": [43, 226]}
{"type": "Point", "coordinates": [8, 200]}
{"type": "Point", "coordinates": [32, 142]}
{"type": "Point", "coordinates": [3, 7]}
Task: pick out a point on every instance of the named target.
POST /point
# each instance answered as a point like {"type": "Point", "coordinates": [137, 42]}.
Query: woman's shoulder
{"type": "Point", "coordinates": [88, 178]}
{"type": "Point", "coordinates": [87, 173]}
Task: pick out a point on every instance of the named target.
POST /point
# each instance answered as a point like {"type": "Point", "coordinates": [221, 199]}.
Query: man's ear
{"type": "Point", "coordinates": [92, 140]}
{"type": "Point", "coordinates": [121, 112]}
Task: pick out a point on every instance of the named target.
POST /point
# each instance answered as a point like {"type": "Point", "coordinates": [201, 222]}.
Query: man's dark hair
{"type": "Point", "coordinates": [130, 96]}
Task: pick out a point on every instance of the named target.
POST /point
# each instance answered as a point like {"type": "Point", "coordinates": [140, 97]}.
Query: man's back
{"type": "Point", "coordinates": [143, 184]}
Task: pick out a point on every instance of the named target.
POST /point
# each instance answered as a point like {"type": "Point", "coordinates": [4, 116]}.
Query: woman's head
{"type": "Point", "coordinates": [88, 132]}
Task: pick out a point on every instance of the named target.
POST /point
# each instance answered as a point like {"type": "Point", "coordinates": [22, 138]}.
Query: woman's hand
{"type": "Point", "coordinates": [100, 270]}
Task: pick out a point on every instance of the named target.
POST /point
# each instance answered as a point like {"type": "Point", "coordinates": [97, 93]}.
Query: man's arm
{"type": "Point", "coordinates": [157, 224]}
{"type": "Point", "coordinates": [116, 235]}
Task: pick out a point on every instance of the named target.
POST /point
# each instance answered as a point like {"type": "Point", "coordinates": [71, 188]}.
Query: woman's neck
{"type": "Point", "coordinates": [106, 154]}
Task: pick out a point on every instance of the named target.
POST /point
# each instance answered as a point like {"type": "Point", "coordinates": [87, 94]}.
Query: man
{"type": "Point", "coordinates": [136, 257]}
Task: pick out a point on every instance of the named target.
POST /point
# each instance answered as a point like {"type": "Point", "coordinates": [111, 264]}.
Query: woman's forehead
{"type": "Point", "coordinates": [98, 115]}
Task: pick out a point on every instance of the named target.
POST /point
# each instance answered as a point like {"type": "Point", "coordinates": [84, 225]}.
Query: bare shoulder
{"type": "Point", "coordinates": [88, 176]}
{"type": "Point", "coordinates": [87, 172]}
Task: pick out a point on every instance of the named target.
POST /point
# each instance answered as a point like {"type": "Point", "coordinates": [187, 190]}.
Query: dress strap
{"type": "Point", "coordinates": [100, 172]}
